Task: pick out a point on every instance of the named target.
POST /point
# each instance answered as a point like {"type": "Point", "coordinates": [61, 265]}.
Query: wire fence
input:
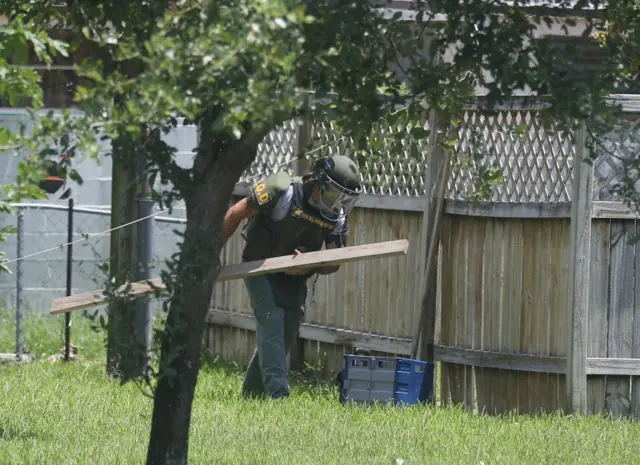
{"type": "Point", "coordinates": [35, 281]}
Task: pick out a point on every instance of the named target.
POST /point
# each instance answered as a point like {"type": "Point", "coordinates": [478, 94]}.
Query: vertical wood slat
{"type": "Point", "coordinates": [491, 302]}
{"type": "Point", "coordinates": [598, 309]}
{"type": "Point", "coordinates": [635, 380]}
{"type": "Point", "coordinates": [469, 322]}
{"type": "Point", "coordinates": [548, 381]}
{"type": "Point", "coordinates": [581, 202]}
{"type": "Point", "coordinates": [446, 369]}
{"type": "Point", "coordinates": [558, 321]}
{"type": "Point", "coordinates": [482, 375]}
{"type": "Point", "coordinates": [544, 398]}
{"type": "Point", "coordinates": [457, 371]}
{"type": "Point", "coordinates": [514, 249]}
{"type": "Point", "coordinates": [489, 318]}
{"type": "Point", "coordinates": [621, 309]}
{"type": "Point", "coordinates": [474, 293]}
{"type": "Point", "coordinates": [528, 316]}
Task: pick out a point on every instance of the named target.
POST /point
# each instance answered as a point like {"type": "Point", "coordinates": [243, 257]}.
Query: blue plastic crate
{"type": "Point", "coordinates": [413, 382]}
{"type": "Point", "coordinates": [367, 379]}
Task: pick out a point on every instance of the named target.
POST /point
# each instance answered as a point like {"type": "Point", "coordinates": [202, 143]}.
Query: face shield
{"type": "Point", "coordinates": [333, 200]}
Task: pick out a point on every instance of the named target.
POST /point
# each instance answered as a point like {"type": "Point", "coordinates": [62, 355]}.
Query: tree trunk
{"type": "Point", "coordinates": [197, 271]}
{"type": "Point", "coordinates": [121, 334]}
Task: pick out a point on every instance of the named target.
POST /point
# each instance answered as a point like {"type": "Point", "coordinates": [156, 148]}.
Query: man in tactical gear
{"type": "Point", "coordinates": [289, 215]}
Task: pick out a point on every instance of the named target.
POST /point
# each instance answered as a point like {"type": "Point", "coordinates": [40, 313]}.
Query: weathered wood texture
{"type": "Point", "coordinates": [504, 291]}
{"type": "Point", "coordinates": [380, 297]}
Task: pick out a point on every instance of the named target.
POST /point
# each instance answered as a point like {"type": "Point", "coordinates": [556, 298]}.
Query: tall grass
{"type": "Point", "coordinates": [69, 413]}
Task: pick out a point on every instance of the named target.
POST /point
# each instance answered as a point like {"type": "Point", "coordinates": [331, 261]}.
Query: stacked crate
{"type": "Point", "coordinates": [368, 379]}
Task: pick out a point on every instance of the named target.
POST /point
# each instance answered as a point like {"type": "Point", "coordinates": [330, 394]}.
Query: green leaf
{"type": "Point", "coordinates": [75, 176]}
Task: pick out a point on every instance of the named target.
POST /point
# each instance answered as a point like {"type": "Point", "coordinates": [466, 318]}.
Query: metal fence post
{"type": "Point", "coordinates": [19, 297]}
{"type": "Point", "coordinates": [144, 252]}
{"type": "Point", "coordinates": [67, 316]}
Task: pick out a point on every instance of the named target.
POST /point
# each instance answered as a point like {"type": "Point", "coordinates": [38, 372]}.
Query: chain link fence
{"type": "Point", "coordinates": [50, 268]}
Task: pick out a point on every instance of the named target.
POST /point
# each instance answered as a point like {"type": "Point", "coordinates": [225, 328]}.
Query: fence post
{"type": "Point", "coordinates": [144, 256]}
{"type": "Point", "coordinates": [67, 316]}
{"type": "Point", "coordinates": [579, 262]}
{"type": "Point", "coordinates": [19, 297]}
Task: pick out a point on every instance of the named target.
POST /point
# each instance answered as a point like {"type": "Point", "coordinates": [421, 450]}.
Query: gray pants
{"type": "Point", "coordinates": [277, 328]}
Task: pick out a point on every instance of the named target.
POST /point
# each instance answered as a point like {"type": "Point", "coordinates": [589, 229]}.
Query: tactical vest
{"type": "Point", "coordinates": [302, 228]}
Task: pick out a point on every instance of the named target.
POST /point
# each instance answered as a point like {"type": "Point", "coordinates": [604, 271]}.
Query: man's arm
{"type": "Point", "coordinates": [241, 210]}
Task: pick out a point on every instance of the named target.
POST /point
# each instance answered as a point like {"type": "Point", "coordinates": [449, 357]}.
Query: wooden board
{"type": "Point", "coordinates": [621, 309]}
{"type": "Point", "coordinates": [635, 381]}
{"type": "Point", "coordinates": [598, 309]}
{"type": "Point", "coordinates": [247, 269]}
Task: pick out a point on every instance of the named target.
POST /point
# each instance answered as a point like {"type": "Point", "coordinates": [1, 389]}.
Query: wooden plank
{"type": "Point", "coordinates": [450, 312]}
{"type": "Point", "coordinates": [318, 333]}
{"type": "Point", "coordinates": [468, 325]}
{"type": "Point", "coordinates": [476, 287]}
{"type": "Point", "coordinates": [497, 282]}
{"type": "Point", "coordinates": [247, 269]}
{"type": "Point", "coordinates": [436, 174]}
{"type": "Point", "coordinates": [613, 367]}
{"type": "Point", "coordinates": [561, 290]}
{"type": "Point", "coordinates": [512, 300]}
{"type": "Point", "coordinates": [527, 382]}
{"type": "Point", "coordinates": [448, 290]}
{"type": "Point", "coordinates": [621, 308]}
{"type": "Point", "coordinates": [598, 309]}
{"type": "Point", "coordinates": [578, 299]}
{"type": "Point", "coordinates": [498, 360]}
{"type": "Point", "coordinates": [489, 318]}
{"type": "Point", "coordinates": [635, 381]}
{"type": "Point", "coordinates": [545, 398]}
{"type": "Point", "coordinates": [599, 209]}
{"type": "Point", "coordinates": [474, 305]}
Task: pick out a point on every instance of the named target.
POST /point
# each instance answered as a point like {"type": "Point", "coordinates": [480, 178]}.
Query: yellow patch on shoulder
{"type": "Point", "coordinates": [262, 194]}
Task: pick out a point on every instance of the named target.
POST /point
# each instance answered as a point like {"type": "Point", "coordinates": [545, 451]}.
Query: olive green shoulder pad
{"type": "Point", "coordinates": [267, 191]}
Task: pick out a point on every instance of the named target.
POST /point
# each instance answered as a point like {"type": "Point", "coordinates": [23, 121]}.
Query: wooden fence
{"type": "Point", "coordinates": [536, 287]}
{"type": "Point", "coordinates": [504, 335]}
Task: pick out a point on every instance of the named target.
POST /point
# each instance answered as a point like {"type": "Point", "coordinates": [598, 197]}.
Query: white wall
{"type": "Point", "coordinates": [44, 276]}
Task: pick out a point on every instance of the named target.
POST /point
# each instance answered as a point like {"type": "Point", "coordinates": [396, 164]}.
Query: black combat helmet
{"type": "Point", "coordinates": [338, 180]}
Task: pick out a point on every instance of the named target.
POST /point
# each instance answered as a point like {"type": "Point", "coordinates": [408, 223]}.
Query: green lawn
{"type": "Point", "coordinates": [58, 413]}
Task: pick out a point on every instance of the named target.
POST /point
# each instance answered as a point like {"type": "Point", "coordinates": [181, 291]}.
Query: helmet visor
{"type": "Point", "coordinates": [334, 202]}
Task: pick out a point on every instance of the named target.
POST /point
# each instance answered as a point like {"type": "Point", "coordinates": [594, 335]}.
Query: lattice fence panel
{"type": "Point", "coordinates": [616, 152]}
{"type": "Point", "coordinates": [275, 153]}
{"type": "Point", "coordinates": [534, 161]}
{"type": "Point", "coordinates": [385, 171]}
